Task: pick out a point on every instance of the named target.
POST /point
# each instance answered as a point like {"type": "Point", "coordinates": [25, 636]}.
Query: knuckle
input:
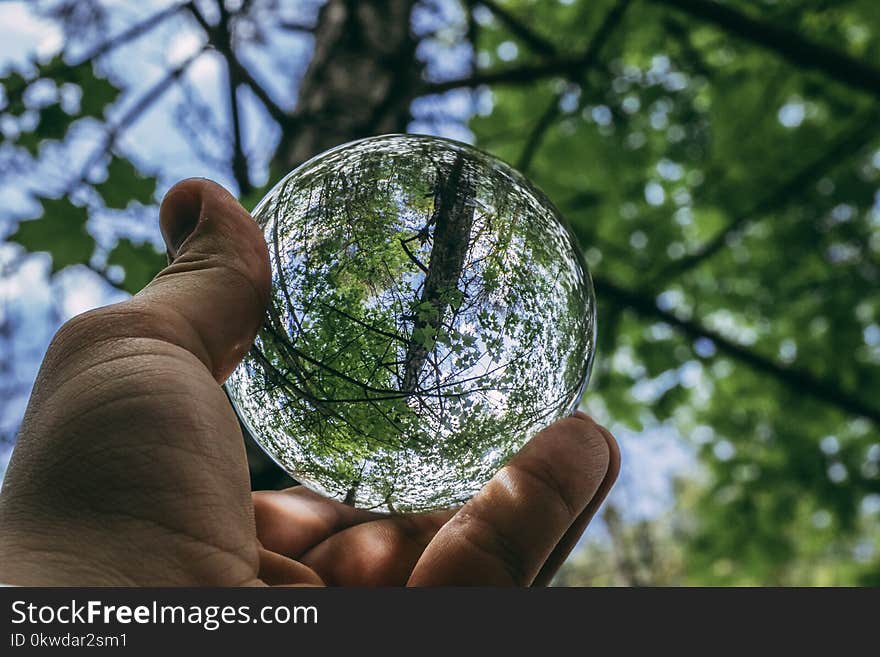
{"type": "Point", "coordinates": [98, 334]}
{"type": "Point", "coordinates": [588, 449]}
{"type": "Point", "coordinates": [122, 320]}
{"type": "Point", "coordinates": [489, 540]}
{"type": "Point", "coordinates": [550, 486]}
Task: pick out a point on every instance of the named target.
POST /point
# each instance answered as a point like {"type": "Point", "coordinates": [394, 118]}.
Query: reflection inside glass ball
{"type": "Point", "coordinates": [430, 313]}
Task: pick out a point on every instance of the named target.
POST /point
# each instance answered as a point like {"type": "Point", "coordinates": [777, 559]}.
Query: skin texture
{"type": "Point", "coordinates": [130, 467]}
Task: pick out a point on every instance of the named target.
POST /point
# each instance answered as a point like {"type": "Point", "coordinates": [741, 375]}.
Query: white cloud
{"type": "Point", "coordinates": [22, 34]}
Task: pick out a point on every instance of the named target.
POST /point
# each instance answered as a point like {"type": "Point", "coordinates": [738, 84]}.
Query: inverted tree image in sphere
{"type": "Point", "coordinates": [430, 313]}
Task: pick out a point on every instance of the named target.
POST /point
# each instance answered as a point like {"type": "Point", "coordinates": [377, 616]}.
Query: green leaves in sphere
{"type": "Point", "coordinates": [430, 313]}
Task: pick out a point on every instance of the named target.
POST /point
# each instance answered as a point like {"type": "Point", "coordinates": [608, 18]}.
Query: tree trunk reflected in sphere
{"type": "Point", "coordinates": [430, 313]}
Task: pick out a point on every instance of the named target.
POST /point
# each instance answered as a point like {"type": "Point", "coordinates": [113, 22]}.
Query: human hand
{"type": "Point", "coordinates": [130, 466]}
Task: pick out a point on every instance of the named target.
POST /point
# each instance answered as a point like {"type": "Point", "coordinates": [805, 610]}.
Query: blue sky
{"type": "Point", "coordinates": [175, 141]}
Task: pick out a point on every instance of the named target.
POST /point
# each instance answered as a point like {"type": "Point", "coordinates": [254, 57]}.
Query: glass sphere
{"type": "Point", "coordinates": [430, 313]}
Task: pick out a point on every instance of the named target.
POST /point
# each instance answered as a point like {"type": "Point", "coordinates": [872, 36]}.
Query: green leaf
{"type": "Point", "coordinates": [52, 123]}
{"type": "Point", "coordinates": [30, 141]}
{"type": "Point", "coordinates": [125, 184]}
{"type": "Point", "coordinates": [140, 261]}
{"type": "Point", "coordinates": [61, 232]}
{"type": "Point", "coordinates": [97, 92]}
{"type": "Point", "coordinates": [14, 85]}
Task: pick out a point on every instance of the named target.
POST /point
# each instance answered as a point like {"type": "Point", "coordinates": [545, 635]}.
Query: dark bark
{"type": "Point", "coordinates": [360, 81]}
{"type": "Point", "coordinates": [452, 221]}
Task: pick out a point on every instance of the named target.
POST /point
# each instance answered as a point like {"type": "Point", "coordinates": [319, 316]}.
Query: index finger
{"type": "Point", "coordinates": [294, 520]}
{"type": "Point", "coordinates": [508, 530]}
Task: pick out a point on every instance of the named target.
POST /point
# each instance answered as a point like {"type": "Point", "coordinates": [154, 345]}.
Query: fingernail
{"type": "Point", "coordinates": [181, 210]}
{"type": "Point", "coordinates": [181, 230]}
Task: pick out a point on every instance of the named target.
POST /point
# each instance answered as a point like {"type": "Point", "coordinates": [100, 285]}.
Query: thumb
{"type": "Point", "coordinates": [129, 442]}
{"type": "Point", "coordinates": [211, 298]}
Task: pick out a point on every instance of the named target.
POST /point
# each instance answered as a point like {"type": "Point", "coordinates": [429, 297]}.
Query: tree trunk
{"type": "Point", "coordinates": [360, 81]}
{"type": "Point", "coordinates": [452, 220]}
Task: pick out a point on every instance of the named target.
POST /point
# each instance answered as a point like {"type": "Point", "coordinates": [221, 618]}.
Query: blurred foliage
{"type": "Point", "coordinates": [61, 230]}
{"type": "Point", "coordinates": [678, 135]}
{"type": "Point", "coordinates": [723, 183]}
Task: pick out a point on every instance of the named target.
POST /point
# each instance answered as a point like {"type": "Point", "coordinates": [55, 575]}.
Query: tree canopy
{"type": "Point", "coordinates": [718, 163]}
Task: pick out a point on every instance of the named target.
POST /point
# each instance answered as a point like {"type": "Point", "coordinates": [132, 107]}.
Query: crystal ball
{"type": "Point", "coordinates": [430, 313]}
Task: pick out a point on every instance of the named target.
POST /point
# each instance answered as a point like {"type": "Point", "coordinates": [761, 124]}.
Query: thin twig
{"type": "Point", "coordinates": [138, 108]}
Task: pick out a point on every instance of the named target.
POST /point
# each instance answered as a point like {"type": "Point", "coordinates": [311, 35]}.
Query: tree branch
{"type": "Point", "coordinates": [799, 381]}
{"type": "Point", "coordinates": [603, 33]}
{"type": "Point", "coordinates": [294, 26]}
{"type": "Point", "coordinates": [239, 160]}
{"type": "Point", "coordinates": [784, 42]}
{"type": "Point", "coordinates": [472, 34]}
{"type": "Point", "coordinates": [514, 75]}
{"type": "Point", "coordinates": [536, 136]}
{"type": "Point", "coordinates": [520, 30]}
{"type": "Point", "coordinates": [134, 31]}
{"type": "Point", "coordinates": [111, 44]}
{"type": "Point", "coordinates": [141, 105]}
{"type": "Point", "coordinates": [277, 112]}
{"type": "Point", "coordinates": [566, 66]}
{"type": "Point", "coordinates": [237, 68]}
{"type": "Point", "coordinates": [849, 142]}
